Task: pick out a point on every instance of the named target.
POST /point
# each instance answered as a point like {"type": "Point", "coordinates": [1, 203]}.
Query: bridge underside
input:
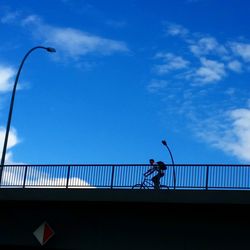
{"type": "Point", "coordinates": [125, 219]}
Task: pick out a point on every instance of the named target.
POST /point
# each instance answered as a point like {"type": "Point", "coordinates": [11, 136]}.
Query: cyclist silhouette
{"type": "Point", "coordinates": [158, 167]}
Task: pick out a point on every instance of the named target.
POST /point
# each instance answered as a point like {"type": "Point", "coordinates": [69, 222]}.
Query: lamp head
{"type": "Point", "coordinates": [164, 142]}
{"type": "Point", "coordinates": [52, 50]}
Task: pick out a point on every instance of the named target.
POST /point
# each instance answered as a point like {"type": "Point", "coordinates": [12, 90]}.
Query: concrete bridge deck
{"type": "Point", "coordinates": [125, 195]}
{"type": "Point", "coordinates": [125, 219]}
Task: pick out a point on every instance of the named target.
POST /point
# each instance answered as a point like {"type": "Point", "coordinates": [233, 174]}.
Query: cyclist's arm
{"type": "Point", "coordinates": [149, 172]}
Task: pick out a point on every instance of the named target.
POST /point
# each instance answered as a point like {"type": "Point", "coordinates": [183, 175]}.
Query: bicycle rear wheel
{"type": "Point", "coordinates": [164, 187]}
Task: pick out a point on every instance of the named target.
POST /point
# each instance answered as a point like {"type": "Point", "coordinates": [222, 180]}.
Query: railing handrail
{"type": "Point", "coordinates": [130, 164]}
{"type": "Point", "coordinates": [188, 176]}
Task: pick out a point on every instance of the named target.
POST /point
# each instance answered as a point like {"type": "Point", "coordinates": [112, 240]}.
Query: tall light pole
{"type": "Point", "coordinates": [172, 159]}
{"type": "Point", "coordinates": [12, 104]}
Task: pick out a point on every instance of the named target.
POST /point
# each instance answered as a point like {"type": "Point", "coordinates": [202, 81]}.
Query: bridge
{"type": "Point", "coordinates": [95, 207]}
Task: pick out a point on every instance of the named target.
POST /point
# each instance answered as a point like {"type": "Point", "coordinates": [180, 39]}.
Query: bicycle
{"type": "Point", "coordinates": [147, 182]}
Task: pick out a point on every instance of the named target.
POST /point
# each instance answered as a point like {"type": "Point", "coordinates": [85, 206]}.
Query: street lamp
{"type": "Point", "coordinates": [49, 49]}
{"type": "Point", "coordinates": [172, 159]}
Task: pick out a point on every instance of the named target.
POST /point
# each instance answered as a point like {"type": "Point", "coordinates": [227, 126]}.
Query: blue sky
{"type": "Point", "coordinates": [126, 75]}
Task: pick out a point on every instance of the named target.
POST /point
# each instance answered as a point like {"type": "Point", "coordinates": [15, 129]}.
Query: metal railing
{"type": "Point", "coordinates": [188, 176]}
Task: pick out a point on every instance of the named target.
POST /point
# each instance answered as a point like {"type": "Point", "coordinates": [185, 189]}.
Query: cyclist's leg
{"type": "Point", "coordinates": [157, 186]}
{"type": "Point", "coordinates": [160, 176]}
{"type": "Point", "coordinates": [156, 181]}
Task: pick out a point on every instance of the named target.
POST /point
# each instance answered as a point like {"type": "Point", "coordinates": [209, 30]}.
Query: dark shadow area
{"type": "Point", "coordinates": [125, 224]}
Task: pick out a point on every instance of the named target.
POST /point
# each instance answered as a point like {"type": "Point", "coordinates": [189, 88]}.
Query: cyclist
{"type": "Point", "coordinates": [158, 167]}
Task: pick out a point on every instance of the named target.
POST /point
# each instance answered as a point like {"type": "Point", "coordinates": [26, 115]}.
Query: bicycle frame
{"type": "Point", "coordinates": [147, 183]}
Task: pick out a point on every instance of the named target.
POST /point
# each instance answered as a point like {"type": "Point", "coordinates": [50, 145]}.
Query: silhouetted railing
{"type": "Point", "coordinates": [125, 176]}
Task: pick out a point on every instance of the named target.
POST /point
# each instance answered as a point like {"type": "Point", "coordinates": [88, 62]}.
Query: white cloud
{"type": "Point", "coordinates": [209, 62]}
{"type": "Point", "coordinates": [73, 42]}
{"type": "Point", "coordinates": [36, 177]}
{"type": "Point", "coordinates": [235, 66]}
{"type": "Point", "coordinates": [234, 138]}
{"type": "Point", "coordinates": [6, 84]}
{"type": "Point", "coordinates": [242, 50]}
{"type": "Point", "coordinates": [210, 71]}
{"type": "Point", "coordinates": [78, 43]}
{"type": "Point", "coordinates": [156, 85]}
{"type": "Point", "coordinates": [176, 30]}
{"type": "Point", "coordinates": [228, 131]}
{"type": "Point", "coordinates": [171, 62]}
{"type": "Point", "coordinates": [13, 140]}
{"type": "Point", "coordinates": [214, 114]}
{"type": "Point", "coordinates": [31, 20]}
{"type": "Point", "coordinates": [43, 180]}
{"type": "Point", "coordinates": [207, 45]}
{"type": "Point", "coordinates": [6, 78]}
{"type": "Point", "coordinates": [74, 182]}
{"type": "Point", "coordinates": [14, 176]}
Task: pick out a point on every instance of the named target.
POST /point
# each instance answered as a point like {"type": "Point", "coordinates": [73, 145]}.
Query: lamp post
{"type": "Point", "coordinates": [49, 49]}
{"type": "Point", "coordinates": [172, 159]}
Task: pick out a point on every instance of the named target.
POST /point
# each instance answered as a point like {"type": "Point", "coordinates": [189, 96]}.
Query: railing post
{"type": "Point", "coordinates": [207, 174]}
{"type": "Point", "coordinates": [112, 177]}
{"type": "Point", "coordinates": [25, 176]}
{"type": "Point", "coordinates": [67, 181]}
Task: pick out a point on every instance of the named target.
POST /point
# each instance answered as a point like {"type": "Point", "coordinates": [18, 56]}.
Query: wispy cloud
{"type": "Point", "coordinates": [13, 140]}
{"type": "Point", "coordinates": [6, 78]}
{"type": "Point", "coordinates": [206, 60]}
{"type": "Point", "coordinates": [235, 66]}
{"type": "Point", "coordinates": [69, 42]}
{"type": "Point", "coordinates": [233, 136]}
{"type": "Point", "coordinates": [204, 92]}
{"type": "Point", "coordinates": [73, 42]}
{"type": "Point", "coordinates": [174, 29]}
{"type": "Point", "coordinates": [156, 85]}
{"type": "Point", "coordinates": [206, 46]}
{"type": "Point", "coordinates": [242, 50]}
{"type": "Point", "coordinates": [209, 72]}
{"type": "Point", "coordinates": [170, 62]}
{"type": "Point", "coordinates": [77, 43]}
{"type": "Point", "coordinates": [7, 74]}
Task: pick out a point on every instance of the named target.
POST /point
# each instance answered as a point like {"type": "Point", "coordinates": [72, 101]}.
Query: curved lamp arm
{"type": "Point", "coordinates": [172, 159]}
{"type": "Point", "coordinates": [49, 49]}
